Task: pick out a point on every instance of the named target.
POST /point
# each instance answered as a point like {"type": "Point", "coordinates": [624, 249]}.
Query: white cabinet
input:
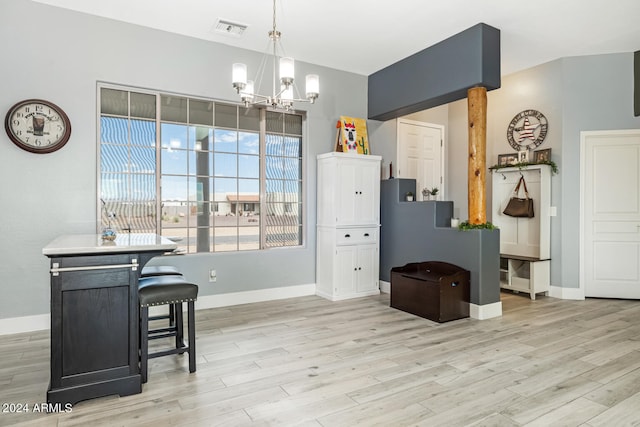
{"type": "Point", "coordinates": [348, 189]}
{"type": "Point", "coordinates": [355, 265]}
{"type": "Point", "coordinates": [347, 252]}
{"type": "Point", "coordinates": [525, 243]}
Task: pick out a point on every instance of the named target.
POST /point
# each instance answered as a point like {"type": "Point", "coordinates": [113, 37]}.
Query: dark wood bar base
{"type": "Point", "coordinates": [94, 322]}
{"type": "Point", "coordinates": [124, 386]}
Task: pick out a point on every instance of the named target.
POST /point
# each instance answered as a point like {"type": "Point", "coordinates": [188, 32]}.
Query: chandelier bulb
{"type": "Point", "coordinates": [287, 71]}
{"type": "Point", "coordinates": [312, 87]}
{"type": "Point", "coordinates": [239, 76]}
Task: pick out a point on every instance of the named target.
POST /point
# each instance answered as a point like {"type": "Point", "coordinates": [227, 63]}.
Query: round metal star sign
{"type": "Point", "coordinates": [527, 130]}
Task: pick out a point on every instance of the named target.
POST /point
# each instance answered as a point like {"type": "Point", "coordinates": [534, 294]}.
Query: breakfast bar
{"type": "Point", "coordinates": [94, 313]}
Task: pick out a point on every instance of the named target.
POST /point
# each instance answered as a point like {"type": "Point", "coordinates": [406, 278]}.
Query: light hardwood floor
{"type": "Point", "coordinates": [308, 361]}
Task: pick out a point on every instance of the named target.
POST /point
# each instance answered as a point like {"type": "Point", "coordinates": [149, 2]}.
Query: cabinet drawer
{"type": "Point", "coordinates": [356, 236]}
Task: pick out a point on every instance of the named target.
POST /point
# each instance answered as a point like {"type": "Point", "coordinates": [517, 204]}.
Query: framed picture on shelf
{"type": "Point", "coordinates": [541, 156]}
{"type": "Point", "coordinates": [523, 156]}
{"type": "Point", "coordinates": [507, 159]}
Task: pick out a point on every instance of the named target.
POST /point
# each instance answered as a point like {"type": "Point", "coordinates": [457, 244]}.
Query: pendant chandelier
{"type": "Point", "coordinates": [282, 95]}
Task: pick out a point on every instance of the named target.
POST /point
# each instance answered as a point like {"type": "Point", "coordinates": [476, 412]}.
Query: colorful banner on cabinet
{"type": "Point", "coordinates": [352, 135]}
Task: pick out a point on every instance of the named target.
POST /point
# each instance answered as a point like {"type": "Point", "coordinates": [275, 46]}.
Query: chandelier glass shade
{"type": "Point", "coordinates": [282, 95]}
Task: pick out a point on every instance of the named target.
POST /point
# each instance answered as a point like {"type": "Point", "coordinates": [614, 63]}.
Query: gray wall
{"type": "Point", "coordinates": [59, 55]}
{"type": "Point", "coordinates": [597, 95]}
{"type": "Point", "coordinates": [575, 94]}
{"type": "Point", "coordinates": [538, 88]}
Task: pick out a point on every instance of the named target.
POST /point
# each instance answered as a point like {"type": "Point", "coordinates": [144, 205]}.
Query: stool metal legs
{"type": "Point", "coordinates": [177, 330]}
{"type": "Point", "coordinates": [191, 314]}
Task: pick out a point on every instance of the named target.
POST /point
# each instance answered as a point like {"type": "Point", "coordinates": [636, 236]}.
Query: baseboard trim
{"type": "Point", "coordinates": [566, 293]}
{"type": "Point", "coordinates": [260, 295]}
{"type": "Point", "coordinates": [486, 311]}
{"type": "Point", "coordinates": [385, 287]}
{"type": "Point", "coordinates": [341, 298]}
{"type": "Point", "coordinates": [17, 325]}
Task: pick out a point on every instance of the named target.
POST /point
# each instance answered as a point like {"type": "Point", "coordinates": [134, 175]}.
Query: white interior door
{"type": "Point", "coordinates": [610, 222]}
{"type": "Point", "coordinates": [420, 154]}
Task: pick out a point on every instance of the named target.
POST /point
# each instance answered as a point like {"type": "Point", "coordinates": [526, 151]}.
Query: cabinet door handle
{"type": "Point", "coordinates": [347, 235]}
{"type": "Point", "coordinates": [56, 269]}
{"type": "Point", "coordinates": [366, 234]}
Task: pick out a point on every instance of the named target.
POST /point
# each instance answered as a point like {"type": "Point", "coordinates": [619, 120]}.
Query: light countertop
{"type": "Point", "coordinates": [72, 244]}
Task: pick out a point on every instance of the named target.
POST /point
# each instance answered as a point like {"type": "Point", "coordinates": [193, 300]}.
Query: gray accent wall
{"type": "Point", "coordinates": [437, 75]}
{"type": "Point", "coordinates": [420, 231]}
{"type": "Point", "coordinates": [60, 55]}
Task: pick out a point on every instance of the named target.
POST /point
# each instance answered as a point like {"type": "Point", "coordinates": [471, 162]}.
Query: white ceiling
{"type": "Point", "coordinates": [363, 36]}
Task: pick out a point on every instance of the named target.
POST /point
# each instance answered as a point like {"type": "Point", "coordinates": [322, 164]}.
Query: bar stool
{"type": "Point", "coordinates": [167, 290]}
{"type": "Point", "coordinates": [161, 270]}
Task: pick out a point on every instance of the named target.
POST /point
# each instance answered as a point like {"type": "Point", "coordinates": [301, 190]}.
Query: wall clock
{"type": "Point", "coordinates": [37, 126]}
{"type": "Point", "coordinates": [527, 130]}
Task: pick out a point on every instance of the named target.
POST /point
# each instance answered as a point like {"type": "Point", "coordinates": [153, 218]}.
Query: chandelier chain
{"type": "Point", "coordinates": [274, 16]}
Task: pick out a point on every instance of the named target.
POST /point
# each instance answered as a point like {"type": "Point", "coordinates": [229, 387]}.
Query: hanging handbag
{"type": "Point", "coordinates": [517, 207]}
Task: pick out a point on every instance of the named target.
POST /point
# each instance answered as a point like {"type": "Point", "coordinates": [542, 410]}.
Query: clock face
{"type": "Point", "coordinates": [37, 126]}
{"type": "Point", "coordinates": [527, 130]}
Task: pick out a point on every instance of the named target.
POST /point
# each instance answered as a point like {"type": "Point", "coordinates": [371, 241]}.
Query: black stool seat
{"type": "Point", "coordinates": [162, 290]}
{"type": "Point", "coordinates": [159, 270]}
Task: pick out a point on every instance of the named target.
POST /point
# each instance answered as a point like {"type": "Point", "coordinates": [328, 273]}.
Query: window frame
{"type": "Point", "coordinates": [158, 173]}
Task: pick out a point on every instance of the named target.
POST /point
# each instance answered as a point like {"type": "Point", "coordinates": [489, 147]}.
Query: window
{"type": "Point", "coordinates": [214, 177]}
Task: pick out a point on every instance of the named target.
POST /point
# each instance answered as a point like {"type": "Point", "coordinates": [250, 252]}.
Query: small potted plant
{"type": "Point", "coordinates": [427, 193]}
{"type": "Point", "coordinates": [434, 192]}
{"type": "Point", "coordinates": [409, 196]}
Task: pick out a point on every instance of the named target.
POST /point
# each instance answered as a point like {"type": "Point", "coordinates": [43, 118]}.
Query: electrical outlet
{"type": "Point", "coordinates": [212, 275]}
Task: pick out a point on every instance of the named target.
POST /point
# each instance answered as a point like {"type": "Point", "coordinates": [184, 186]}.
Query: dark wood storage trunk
{"type": "Point", "coordinates": [435, 290]}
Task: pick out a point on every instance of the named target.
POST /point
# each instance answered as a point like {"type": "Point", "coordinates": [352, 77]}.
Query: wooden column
{"type": "Point", "coordinates": [477, 116]}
